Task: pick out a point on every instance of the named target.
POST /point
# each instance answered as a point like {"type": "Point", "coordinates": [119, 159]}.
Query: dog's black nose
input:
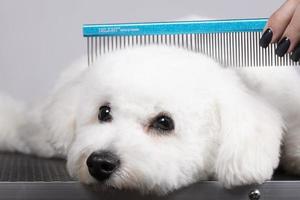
{"type": "Point", "coordinates": [102, 164]}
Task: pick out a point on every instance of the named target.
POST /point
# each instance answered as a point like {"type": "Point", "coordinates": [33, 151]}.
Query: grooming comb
{"type": "Point", "coordinates": [231, 42]}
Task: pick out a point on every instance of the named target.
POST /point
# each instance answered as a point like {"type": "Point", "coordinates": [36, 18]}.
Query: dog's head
{"type": "Point", "coordinates": [159, 118]}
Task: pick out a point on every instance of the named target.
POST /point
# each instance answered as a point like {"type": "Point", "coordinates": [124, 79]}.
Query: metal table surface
{"type": "Point", "coordinates": [27, 177]}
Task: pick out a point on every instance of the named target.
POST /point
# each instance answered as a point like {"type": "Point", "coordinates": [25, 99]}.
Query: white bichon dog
{"type": "Point", "coordinates": [159, 118]}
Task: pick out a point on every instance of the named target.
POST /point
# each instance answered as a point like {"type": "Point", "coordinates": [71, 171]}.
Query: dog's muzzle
{"type": "Point", "coordinates": [102, 164]}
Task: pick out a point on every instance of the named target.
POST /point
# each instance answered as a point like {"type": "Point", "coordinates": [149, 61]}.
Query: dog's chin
{"type": "Point", "coordinates": [102, 187]}
{"type": "Point", "coordinates": [118, 182]}
{"type": "Point", "coordinates": [110, 186]}
{"type": "Point", "coordinates": [123, 179]}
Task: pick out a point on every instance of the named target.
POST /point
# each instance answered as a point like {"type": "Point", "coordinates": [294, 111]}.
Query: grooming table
{"type": "Point", "coordinates": [28, 177]}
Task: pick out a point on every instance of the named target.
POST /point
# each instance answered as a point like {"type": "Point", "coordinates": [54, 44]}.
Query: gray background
{"type": "Point", "coordinates": [38, 38]}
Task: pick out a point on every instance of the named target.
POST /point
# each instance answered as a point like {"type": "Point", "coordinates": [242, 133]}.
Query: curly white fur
{"type": "Point", "coordinates": [229, 123]}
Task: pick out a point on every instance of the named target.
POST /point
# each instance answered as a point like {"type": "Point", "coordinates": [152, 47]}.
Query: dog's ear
{"type": "Point", "coordinates": [58, 117]}
{"type": "Point", "coordinates": [58, 110]}
{"type": "Point", "coordinates": [250, 138]}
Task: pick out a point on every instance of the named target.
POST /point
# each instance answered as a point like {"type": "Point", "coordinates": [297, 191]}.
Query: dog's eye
{"type": "Point", "coordinates": [162, 123]}
{"type": "Point", "coordinates": [104, 114]}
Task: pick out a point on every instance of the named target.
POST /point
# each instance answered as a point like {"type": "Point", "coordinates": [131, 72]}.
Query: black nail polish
{"type": "Point", "coordinates": [282, 47]}
{"type": "Point", "coordinates": [296, 54]}
{"type": "Point", "coordinates": [266, 38]}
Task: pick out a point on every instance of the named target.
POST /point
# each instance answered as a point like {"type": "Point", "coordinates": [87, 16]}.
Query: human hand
{"type": "Point", "coordinates": [284, 27]}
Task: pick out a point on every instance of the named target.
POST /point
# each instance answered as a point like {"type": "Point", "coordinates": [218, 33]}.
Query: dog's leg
{"type": "Point", "coordinates": [47, 128]}
{"type": "Point", "coordinates": [12, 119]}
{"type": "Point", "coordinates": [19, 132]}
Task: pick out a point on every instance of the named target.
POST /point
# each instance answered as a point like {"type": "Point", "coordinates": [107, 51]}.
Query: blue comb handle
{"type": "Point", "coordinates": [185, 27]}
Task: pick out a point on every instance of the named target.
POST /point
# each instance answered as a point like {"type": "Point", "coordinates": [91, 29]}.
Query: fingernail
{"type": "Point", "coordinates": [282, 47]}
{"type": "Point", "coordinates": [266, 38]}
{"type": "Point", "coordinates": [296, 54]}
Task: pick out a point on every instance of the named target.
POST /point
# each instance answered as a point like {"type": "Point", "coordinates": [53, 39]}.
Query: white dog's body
{"type": "Point", "coordinates": [229, 123]}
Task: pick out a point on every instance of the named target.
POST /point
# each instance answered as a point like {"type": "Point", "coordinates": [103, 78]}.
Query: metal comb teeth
{"type": "Point", "coordinates": [230, 42]}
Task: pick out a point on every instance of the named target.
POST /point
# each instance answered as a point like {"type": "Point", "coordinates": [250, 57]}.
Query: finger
{"type": "Point", "coordinates": [280, 19]}
{"type": "Point", "coordinates": [278, 22]}
{"type": "Point", "coordinates": [293, 29]}
{"type": "Point", "coordinates": [291, 36]}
